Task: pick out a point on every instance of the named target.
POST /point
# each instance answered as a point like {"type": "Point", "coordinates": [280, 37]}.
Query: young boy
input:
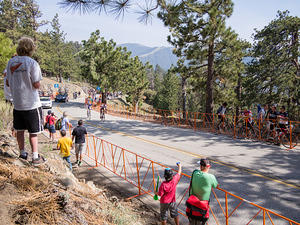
{"type": "Point", "coordinates": [64, 145]}
{"type": "Point", "coordinates": [167, 191]}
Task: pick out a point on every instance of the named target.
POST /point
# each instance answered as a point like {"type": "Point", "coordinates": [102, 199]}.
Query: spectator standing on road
{"type": "Point", "coordinates": [262, 113]}
{"type": "Point", "coordinates": [50, 120]}
{"type": "Point", "coordinates": [201, 184]}
{"type": "Point", "coordinates": [79, 134]}
{"type": "Point", "coordinates": [23, 78]}
{"type": "Point", "coordinates": [167, 191]}
{"type": "Point", "coordinates": [65, 123]}
{"type": "Point", "coordinates": [64, 144]}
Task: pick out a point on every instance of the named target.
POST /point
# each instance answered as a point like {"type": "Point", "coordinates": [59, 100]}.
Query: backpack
{"type": "Point", "coordinates": [46, 126]}
{"type": "Point", "coordinates": [196, 209]}
{"type": "Point", "coordinates": [58, 124]}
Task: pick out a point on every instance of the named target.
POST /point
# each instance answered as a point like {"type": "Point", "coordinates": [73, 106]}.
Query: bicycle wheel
{"type": "Point", "coordinates": [286, 140]}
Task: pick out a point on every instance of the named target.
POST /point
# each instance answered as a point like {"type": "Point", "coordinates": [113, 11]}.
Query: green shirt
{"type": "Point", "coordinates": [202, 184]}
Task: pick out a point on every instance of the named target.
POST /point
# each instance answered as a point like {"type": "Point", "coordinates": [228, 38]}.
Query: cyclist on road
{"type": "Point", "coordinates": [248, 117]}
{"type": "Point", "coordinates": [221, 115]}
{"type": "Point", "coordinates": [102, 111]}
{"type": "Point", "coordinates": [88, 105]}
{"type": "Point", "coordinates": [272, 117]}
{"type": "Point", "coordinates": [283, 118]}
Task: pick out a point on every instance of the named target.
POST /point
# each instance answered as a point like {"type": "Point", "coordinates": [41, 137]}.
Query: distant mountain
{"type": "Point", "coordinates": [161, 56]}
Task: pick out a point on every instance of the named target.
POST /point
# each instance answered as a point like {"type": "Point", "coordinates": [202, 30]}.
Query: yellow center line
{"type": "Point", "coordinates": [252, 172]}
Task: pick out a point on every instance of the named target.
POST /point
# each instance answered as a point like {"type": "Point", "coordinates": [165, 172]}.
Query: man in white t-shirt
{"type": "Point", "coordinates": [7, 93]}
{"type": "Point", "coordinates": [23, 78]}
{"type": "Point", "coordinates": [65, 123]}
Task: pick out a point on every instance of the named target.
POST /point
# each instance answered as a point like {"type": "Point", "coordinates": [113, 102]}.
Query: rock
{"type": "Point", "coordinates": [63, 199]}
{"type": "Point", "coordinates": [114, 199]}
{"type": "Point", "coordinates": [67, 182]}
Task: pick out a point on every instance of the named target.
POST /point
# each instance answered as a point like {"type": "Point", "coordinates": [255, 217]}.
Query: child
{"type": "Point", "coordinates": [64, 145]}
{"type": "Point", "coordinates": [167, 191]}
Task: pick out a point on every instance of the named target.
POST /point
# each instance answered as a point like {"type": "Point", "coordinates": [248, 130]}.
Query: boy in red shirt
{"type": "Point", "coordinates": [167, 191]}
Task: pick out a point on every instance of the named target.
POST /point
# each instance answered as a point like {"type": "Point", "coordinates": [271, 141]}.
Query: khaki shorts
{"type": "Point", "coordinates": [79, 148]}
{"type": "Point", "coordinates": [165, 207]}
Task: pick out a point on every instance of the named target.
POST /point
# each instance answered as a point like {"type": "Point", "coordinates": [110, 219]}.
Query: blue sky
{"type": "Point", "coordinates": [247, 15]}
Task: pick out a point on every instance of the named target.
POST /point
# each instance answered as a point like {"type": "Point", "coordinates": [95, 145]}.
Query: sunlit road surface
{"type": "Point", "coordinates": [264, 174]}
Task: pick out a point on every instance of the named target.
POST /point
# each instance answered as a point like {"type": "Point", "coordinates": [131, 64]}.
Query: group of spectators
{"type": "Point", "coordinates": [197, 204]}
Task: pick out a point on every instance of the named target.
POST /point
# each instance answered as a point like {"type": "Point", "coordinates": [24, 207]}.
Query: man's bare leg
{"type": "Point", "coordinates": [20, 139]}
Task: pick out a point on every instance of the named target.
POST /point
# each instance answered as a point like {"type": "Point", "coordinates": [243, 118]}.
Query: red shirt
{"type": "Point", "coordinates": [50, 119]}
{"type": "Point", "coordinates": [167, 190]}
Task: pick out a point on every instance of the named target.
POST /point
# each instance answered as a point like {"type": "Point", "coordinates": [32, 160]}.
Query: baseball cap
{"type": "Point", "coordinates": [168, 174]}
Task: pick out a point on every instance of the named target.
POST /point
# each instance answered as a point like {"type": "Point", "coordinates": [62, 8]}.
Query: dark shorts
{"type": "Point", "coordinates": [52, 129]}
{"type": "Point", "coordinates": [165, 207]}
{"type": "Point", "coordinates": [198, 222]}
{"type": "Point", "coordinates": [31, 120]}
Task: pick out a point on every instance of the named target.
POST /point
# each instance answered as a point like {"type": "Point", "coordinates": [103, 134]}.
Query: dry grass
{"type": "Point", "coordinates": [6, 112]}
{"type": "Point", "coordinates": [38, 209]}
{"type": "Point", "coordinates": [26, 179]}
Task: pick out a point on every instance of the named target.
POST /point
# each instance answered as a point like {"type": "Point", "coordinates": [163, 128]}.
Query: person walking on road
{"type": "Point", "coordinates": [65, 144]}
{"type": "Point", "coordinates": [201, 184]}
{"type": "Point", "coordinates": [79, 134]}
{"type": "Point", "coordinates": [50, 122]}
{"type": "Point", "coordinates": [23, 77]}
{"type": "Point", "coordinates": [65, 123]}
{"type": "Point", "coordinates": [167, 191]}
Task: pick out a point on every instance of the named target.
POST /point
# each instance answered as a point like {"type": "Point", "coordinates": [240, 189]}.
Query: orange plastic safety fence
{"type": "Point", "coordinates": [141, 172]}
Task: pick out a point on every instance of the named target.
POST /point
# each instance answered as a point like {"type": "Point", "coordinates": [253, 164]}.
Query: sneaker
{"type": "Point", "coordinates": [76, 162]}
{"type": "Point", "coordinates": [79, 163]}
{"type": "Point", "coordinates": [24, 156]}
{"type": "Point", "coordinates": [39, 161]}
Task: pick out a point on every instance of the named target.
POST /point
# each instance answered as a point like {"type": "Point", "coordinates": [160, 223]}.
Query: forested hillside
{"type": "Point", "coordinates": [211, 66]}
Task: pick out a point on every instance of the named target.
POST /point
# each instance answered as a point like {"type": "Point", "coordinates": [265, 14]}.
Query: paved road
{"type": "Point", "coordinates": [264, 174]}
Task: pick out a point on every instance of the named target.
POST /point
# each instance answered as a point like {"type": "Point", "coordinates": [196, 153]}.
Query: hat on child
{"type": "Point", "coordinates": [168, 174]}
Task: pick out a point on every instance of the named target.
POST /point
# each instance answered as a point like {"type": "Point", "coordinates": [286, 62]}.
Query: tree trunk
{"type": "Point", "coordinates": [209, 80]}
{"type": "Point", "coordinates": [183, 89]}
{"type": "Point", "coordinates": [238, 95]}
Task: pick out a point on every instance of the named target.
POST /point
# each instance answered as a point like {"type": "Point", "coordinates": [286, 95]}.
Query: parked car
{"type": "Point", "coordinates": [46, 102]}
{"type": "Point", "coordinates": [62, 98]}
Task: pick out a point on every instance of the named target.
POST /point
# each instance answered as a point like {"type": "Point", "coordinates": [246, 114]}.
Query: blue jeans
{"type": "Point", "coordinates": [69, 161]}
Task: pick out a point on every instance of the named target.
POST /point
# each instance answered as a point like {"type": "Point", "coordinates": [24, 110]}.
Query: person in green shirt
{"type": "Point", "coordinates": [201, 186]}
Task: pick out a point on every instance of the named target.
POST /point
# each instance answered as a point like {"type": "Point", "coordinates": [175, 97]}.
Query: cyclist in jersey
{"type": "Point", "coordinates": [272, 117]}
{"type": "Point", "coordinates": [248, 118]}
{"type": "Point", "coordinates": [102, 110]}
{"type": "Point", "coordinates": [89, 104]}
{"type": "Point", "coordinates": [283, 118]}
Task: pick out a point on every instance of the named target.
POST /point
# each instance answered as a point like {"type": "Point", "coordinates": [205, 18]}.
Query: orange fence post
{"type": "Point", "coordinates": [226, 209]}
{"type": "Point", "coordinates": [113, 158]}
{"type": "Point", "coordinates": [194, 121]}
{"type": "Point", "coordinates": [153, 175]}
{"type": "Point", "coordinates": [138, 173]}
{"type": "Point", "coordinates": [124, 166]}
{"type": "Point", "coordinates": [264, 217]}
{"type": "Point", "coordinates": [95, 150]}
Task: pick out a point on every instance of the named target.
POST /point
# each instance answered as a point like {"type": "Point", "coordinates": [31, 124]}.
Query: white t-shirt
{"type": "Point", "coordinates": [64, 123]}
{"type": "Point", "coordinates": [22, 72]}
{"type": "Point", "coordinates": [7, 92]}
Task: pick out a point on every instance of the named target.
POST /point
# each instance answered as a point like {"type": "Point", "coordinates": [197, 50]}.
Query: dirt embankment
{"type": "Point", "coordinates": [51, 194]}
{"type": "Point", "coordinates": [47, 85]}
